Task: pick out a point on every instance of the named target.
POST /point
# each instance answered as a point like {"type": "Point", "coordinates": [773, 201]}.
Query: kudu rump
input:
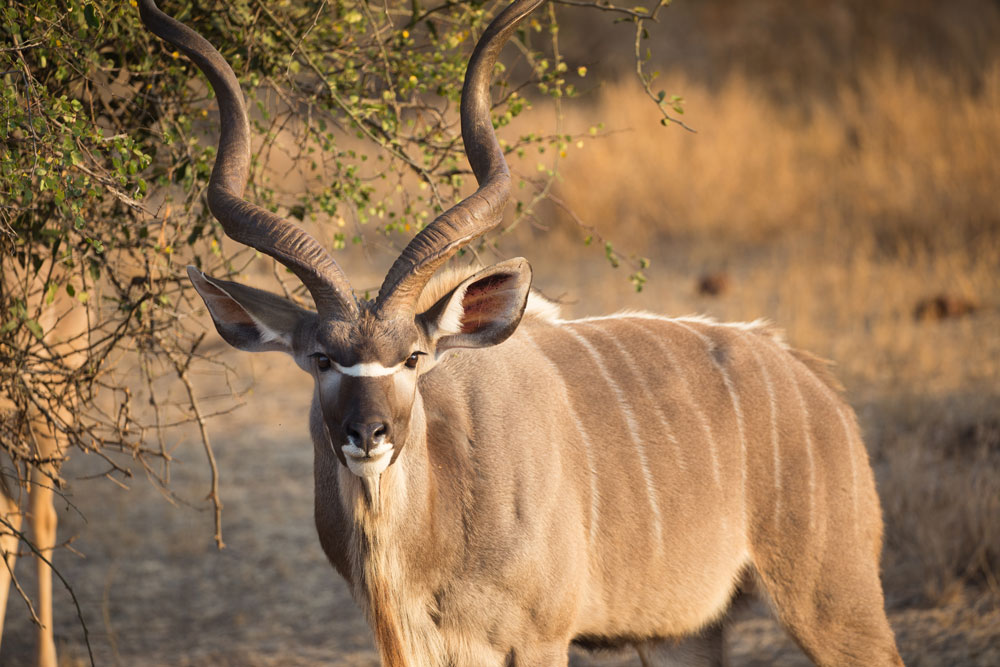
{"type": "Point", "coordinates": [495, 482]}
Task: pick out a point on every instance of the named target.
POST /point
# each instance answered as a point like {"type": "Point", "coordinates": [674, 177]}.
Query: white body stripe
{"type": "Point", "coordinates": [633, 431]}
{"type": "Point", "coordinates": [735, 400]}
{"type": "Point", "coordinates": [637, 372]}
{"type": "Point", "coordinates": [775, 440]}
{"type": "Point", "coordinates": [850, 440]}
{"type": "Point", "coordinates": [686, 391]}
{"type": "Point", "coordinates": [807, 439]}
{"type": "Point", "coordinates": [753, 325]}
{"type": "Point", "coordinates": [587, 447]}
{"type": "Point", "coordinates": [366, 369]}
{"type": "Point", "coordinates": [849, 436]}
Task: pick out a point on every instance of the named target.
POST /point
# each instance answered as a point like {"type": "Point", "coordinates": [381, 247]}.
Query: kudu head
{"type": "Point", "coordinates": [365, 356]}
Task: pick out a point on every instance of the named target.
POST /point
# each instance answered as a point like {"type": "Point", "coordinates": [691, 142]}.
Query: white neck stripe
{"type": "Point", "coordinates": [366, 369]}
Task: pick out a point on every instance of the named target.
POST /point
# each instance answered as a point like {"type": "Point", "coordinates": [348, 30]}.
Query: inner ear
{"type": "Point", "coordinates": [224, 307]}
{"type": "Point", "coordinates": [483, 310]}
{"type": "Point", "coordinates": [485, 300]}
{"type": "Point", "coordinates": [247, 318]}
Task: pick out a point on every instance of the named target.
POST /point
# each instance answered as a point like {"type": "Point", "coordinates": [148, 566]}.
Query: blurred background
{"type": "Point", "coordinates": [842, 181]}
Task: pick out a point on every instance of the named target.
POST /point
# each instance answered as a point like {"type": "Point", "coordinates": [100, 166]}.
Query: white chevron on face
{"type": "Point", "coordinates": [367, 369]}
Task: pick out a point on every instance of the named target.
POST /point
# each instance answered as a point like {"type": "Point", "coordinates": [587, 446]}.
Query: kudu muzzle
{"type": "Point", "coordinates": [360, 423]}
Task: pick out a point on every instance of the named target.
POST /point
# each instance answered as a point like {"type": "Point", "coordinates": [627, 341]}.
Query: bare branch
{"type": "Point", "coordinates": [638, 13]}
{"type": "Point", "coordinates": [181, 367]}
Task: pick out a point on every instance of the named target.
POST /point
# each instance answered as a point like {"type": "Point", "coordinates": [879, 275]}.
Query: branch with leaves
{"type": "Point", "coordinates": [106, 148]}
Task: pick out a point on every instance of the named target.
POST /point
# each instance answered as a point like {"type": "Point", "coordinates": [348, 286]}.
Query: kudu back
{"type": "Point", "coordinates": [495, 482]}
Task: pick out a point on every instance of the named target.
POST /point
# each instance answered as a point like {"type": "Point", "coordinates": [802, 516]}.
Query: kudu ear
{"type": "Point", "coordinates": [483, 310]}
{"type": "Point", "coordinates": [247, 318]}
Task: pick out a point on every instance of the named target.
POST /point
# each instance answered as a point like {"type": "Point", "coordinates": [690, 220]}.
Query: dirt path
{"type": "Point", "coordinates": [155, 591]}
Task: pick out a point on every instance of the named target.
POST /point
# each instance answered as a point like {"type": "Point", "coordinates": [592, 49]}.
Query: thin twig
{"type": "Point", "coordinates": [386, 142]}
{"type": "Point", "coordinates": [608, 7]}
{"type": "Point", "coordinates": [76, 603]}
{"type": "Point", "coordinates": [543, 192]}
{"type": "Point", "coordinates": [182, 373]}
{"type": "Point", "coordinates": [646, 81]}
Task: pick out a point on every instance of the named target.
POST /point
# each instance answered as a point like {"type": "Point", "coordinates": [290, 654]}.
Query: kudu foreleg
{"type": "Point", "coordinates": [10, 525]}
{"type": "Point", "coordinates": [43, 527]}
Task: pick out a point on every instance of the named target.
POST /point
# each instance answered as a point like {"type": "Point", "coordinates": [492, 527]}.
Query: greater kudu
{"type": "Point", "coordinates": [495, 482]}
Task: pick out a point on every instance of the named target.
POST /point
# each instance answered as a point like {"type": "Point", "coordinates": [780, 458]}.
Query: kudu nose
{"type": "Point", "coordinates": [367, 436]}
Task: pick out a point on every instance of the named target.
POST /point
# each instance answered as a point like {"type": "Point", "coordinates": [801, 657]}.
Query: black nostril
{"type": "Point", "coordinates": [364, 435]}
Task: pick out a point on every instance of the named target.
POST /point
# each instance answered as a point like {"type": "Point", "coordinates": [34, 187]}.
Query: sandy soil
{"type": "Point", "coordinates": [155, 591]}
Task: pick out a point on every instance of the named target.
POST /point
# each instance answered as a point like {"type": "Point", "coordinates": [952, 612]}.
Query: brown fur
{"type": "Point", "coordinates": [381, 611]}
{"type": "Point", "coordinates": [820, 367]}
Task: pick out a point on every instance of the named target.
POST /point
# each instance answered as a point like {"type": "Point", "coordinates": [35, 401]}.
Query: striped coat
{"type": "Point", "coordinates": [615, 480]}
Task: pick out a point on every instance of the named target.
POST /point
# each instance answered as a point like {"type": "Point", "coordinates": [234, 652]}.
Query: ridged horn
{"type": "Point", "coordinates": [481, 211]}
{"type": "Point", "coordinates": [243, 221]}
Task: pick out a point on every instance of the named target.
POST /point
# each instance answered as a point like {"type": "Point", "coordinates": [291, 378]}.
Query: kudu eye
{"type": "Point", "coordinates": [411, 361]}
{"type": "Point", "coordinates": [322, 362]}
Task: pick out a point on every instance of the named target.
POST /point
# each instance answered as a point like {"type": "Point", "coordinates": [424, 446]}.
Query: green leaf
{"type": "Point", "coordinates": [34, 327]}
{"type": "Point", "coordinates": [90, 14]}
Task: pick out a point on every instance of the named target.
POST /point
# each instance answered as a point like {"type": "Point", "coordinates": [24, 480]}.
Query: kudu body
{"type": "Point", "coordinates": [495, 482]}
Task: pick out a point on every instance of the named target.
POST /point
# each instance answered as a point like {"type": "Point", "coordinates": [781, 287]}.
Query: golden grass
{"type": "Point", "coordinates": [898, 146]}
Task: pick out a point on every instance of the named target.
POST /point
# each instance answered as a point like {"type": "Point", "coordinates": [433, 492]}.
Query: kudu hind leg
{"type": "Point", "coordinates": [835, 614]}
{"type": "Point", "coordinates": [43, 527]}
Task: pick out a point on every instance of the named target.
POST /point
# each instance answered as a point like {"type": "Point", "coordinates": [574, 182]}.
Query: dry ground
{"type": "Point", "coordinates": [865, 222]}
